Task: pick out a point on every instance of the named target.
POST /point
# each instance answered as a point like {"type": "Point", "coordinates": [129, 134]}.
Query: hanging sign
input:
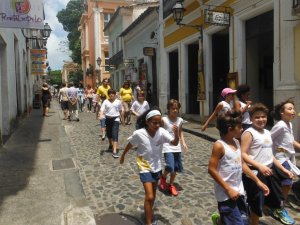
{"type": "Point", "coordinates": [217, 18]}
{"type": "Point", "coordinates": [148, 51]}
{"type": "Point", "coordinates": [38, 61]}
{"type": "Point", "coordinates": [22, 14]}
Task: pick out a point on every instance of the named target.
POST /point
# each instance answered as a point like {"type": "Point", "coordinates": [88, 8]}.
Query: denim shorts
{"type": "Point", "coordinates": [285, 181]}
{"type": "Point", "coordinates": [102, 123]}
{"type": "Point", "coordinates": [173, 162]}
{"type": "Point", "coordinates": [234, 212]}
{"type": "Point", "coordinates": [150, 177]}
{"type": "Point", "coordinates": [112, 128]}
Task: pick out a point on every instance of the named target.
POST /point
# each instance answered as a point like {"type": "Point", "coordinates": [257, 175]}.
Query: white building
{"type": "Point", "coordinates": [16, 84]}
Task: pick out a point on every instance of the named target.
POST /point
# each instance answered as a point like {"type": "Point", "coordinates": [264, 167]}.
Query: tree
{"type": "Point", "coordinates": [76, 77]}
{"type": "Point", "coordinates": [55, 77]}
{"type": "Point", "coordinates": [69, 18]}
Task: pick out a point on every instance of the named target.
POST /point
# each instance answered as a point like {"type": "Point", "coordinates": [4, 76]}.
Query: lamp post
{"type": "Point", "coordinates": [99, 60]}
{"type": "Point", "coordinates": [44, 35]}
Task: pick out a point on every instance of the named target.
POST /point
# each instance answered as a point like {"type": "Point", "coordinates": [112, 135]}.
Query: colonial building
{"type": "Point", "coordinates": [94, 42]}
{"type": "Point", "coordinates": [260, 47]}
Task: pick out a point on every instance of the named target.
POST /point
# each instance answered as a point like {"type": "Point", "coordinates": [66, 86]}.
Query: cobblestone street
{"type": "Point", "coordinates": [113, 188]}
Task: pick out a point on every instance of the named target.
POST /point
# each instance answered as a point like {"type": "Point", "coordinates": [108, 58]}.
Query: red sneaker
{"type": "Point", "coordinates": [163, 184]}
{"type": "Point", "coordinates": [173, 190]}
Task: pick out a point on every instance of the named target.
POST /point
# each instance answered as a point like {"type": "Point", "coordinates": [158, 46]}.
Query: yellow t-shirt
{"type": "Point", "coordinates": [126, 94]}
{"type": "Point", "coordinates": [103, 91]}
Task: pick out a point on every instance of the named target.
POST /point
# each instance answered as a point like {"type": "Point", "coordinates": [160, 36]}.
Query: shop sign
{"type": "Point", "coordinates": [38, 61]}
{"type": "Point", "coordinates": [217, 18]}
{"type": "Point", "coordinates": [148, 51]}
{"type": "Point", "coordinates": [128, 61]}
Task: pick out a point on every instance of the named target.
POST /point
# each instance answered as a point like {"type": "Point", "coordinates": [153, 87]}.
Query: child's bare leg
{"type": "Point", "coordinates": [254, 219]}
{"type": "Point", "coordinates": [285, 191]}
{"type": "Point", "coordinates": [115, 146]}
{"type": "Point", "coordinates": [150, 194]}
{"type": "Point", "coordinates": [172, 178]}
{"type": "Point", "coordinates": [149, 201]}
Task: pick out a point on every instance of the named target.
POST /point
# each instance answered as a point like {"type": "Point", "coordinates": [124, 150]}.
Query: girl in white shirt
{"type": "Point", "coordinates": [284, 143]}
{"type": "Point", "coordinates": [149, 141]}
{"type": "Point", "coordinates": [224, 106]}
{"type": "Point", "coordinates": [139, 106]}
{"type": "Point", "coordinates": [172, 154]}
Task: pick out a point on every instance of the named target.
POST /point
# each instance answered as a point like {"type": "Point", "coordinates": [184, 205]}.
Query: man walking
{"type": "Point", "coordinates": [64, 101]}
{"type": "Point", "coordinates": [72, 98]}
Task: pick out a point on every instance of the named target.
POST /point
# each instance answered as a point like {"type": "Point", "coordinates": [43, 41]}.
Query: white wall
{"type": "Point", "coordinates": [15, 85]}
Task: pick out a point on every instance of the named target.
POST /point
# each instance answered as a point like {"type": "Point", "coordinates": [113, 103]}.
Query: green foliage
{"type": "Point", "coordinates": [69, 18]}
{"type": "Point", "coordinates": [76, 77]}
{"type": "Point", "coordinates": [55, 77]}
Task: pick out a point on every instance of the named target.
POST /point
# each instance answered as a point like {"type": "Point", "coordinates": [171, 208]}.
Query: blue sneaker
{"type": "Point", "coordinates": [283, 216]}
{"type": "Point", "coordinates": [215, 217]}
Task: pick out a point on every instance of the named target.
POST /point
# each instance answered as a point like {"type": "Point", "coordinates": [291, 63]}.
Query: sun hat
{"type": "Point", "coordinates": [227, 91]}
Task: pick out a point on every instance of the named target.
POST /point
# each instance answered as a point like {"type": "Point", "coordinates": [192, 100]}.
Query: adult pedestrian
{"type": "Point", "coordinates": [73, 99]}
{"type": "Point", "coordinates": [81, 98]}
{"type": "Point", "coordinates": [126, 97]}
{"type": "Point", "coordinates": [89, 91]}
{"type": "Point", "coordinates": [46, 98]}
{"type": "Point", "coordinates": [64, 101]}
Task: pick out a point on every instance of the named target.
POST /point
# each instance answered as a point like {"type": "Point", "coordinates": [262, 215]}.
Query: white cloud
{"type": "Point", "coordinates": [57, 52]}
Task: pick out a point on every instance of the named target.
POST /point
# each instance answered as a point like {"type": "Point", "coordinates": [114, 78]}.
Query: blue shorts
{"type": "Point", "coordinates": [173, 162]}
{"type": "Point", "coordinates": [150, 177]}
{"type": "Point", "coordinates": [285, 181]}
{"type": "Point", "coordinates": [234, 212]}
{"type": "Point", "coordinates": [102, 123]}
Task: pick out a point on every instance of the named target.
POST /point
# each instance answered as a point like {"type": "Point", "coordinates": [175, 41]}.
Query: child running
{"type": "Point", "coordinates": [284, 143]}
{"type": "Point", "coordinates": [226, 167]}
{"type": "Point", "coordinates": [257, 151]}
{"type": "Point", "coordinates": [113, 111]}
{"type": "Point", "coordinates": [149, 141]}
{"type": "Point", "coordinates": [172, 154]}
{"type": "Point", "coordinates": [138, 107]}
{"type": "Point", "coordinates": [224, 106]}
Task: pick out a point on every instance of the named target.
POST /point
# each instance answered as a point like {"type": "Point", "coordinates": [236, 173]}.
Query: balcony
{"type": "Point", "coordinates": [296, 8]}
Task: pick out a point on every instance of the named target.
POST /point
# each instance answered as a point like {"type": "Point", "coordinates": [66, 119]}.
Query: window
{"type": "Point", "coordinates": [106, 55]}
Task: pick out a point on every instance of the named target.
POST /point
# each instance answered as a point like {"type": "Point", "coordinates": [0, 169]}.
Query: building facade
{"type": "Point", "coordinates": [260, 47]}
{"type": "Point", "coordinates": [16, 82]}
{"type": "Point", "coordinates": [94, 42]}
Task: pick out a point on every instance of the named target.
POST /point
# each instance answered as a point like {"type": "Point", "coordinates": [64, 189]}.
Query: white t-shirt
{"type": "Point", "coordinates": [140, 108]}
{"type": "Point", "coordinates": [246, 115]}
{"type": "Point", "coordinates": [282, 136]}
{"type": "Point", "coordinates": [149, 149]}
{"type": "Point", "coordinates": [230, 170]}
{"type": "Point", "coordinates": [111, 109]}
{"type": "Point", "coordinates": [168, 124]}
{"type": "Point", "coordinates": [261, 149]}
{"type": "Point", "coordinates": [226, 107]}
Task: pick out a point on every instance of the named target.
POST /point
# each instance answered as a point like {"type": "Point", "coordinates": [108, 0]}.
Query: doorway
{"type": "Point", "coordinates": [174, 75]}
{"type": "Point", "coordinates": [192, 91]}
{"type": "Point", "coordinates": [259, 58]}
{"type": "Point", "coordinates": [220, 64]}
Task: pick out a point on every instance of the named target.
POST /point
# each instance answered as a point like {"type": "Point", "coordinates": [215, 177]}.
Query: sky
{"type": "Point", "coordinates": [57, 52]}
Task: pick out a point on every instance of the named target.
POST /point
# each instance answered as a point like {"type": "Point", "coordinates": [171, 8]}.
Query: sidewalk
{"type": "Point", "coordinates": [38, 181]}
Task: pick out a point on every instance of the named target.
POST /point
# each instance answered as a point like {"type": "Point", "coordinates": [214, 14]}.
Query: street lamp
{"type": "Point", "coordinates": [178, 13]}
{"type": "Point", "coordinates": [98, 60]}
{"type": "Point", "coordinates": [44, 34]}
